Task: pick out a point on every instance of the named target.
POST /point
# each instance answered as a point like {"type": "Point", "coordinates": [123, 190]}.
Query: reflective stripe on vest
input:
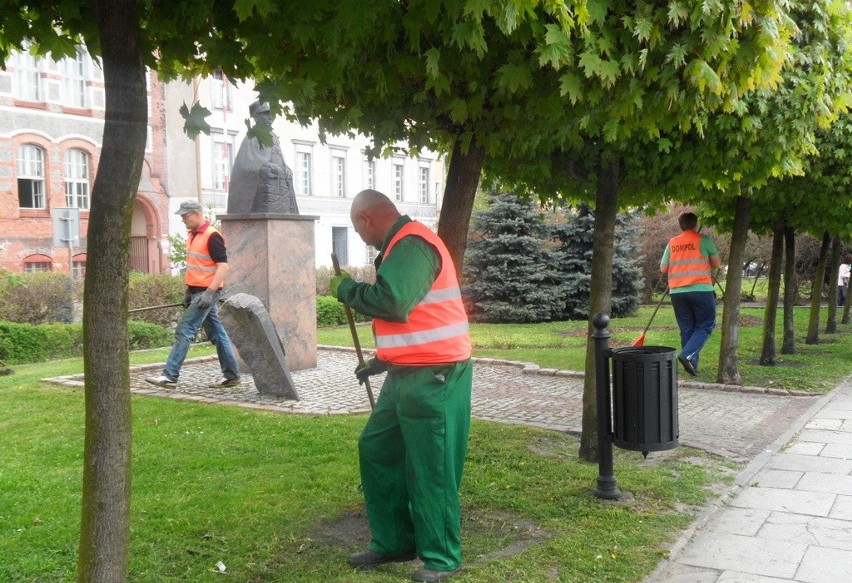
{"type": "Point", "coordinates": [437, 330]}
{"type": "Point", "coordinates": [687, 266]}
{"type": "Point", "coordinates": [200, 267]}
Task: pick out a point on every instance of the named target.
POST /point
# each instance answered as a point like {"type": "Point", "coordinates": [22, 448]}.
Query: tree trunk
{"type": "Point", "coordinates": [770, 314]}
{"type": "Point", "coordinates": [847, 306]}
{"type": "Point", "coordinates": [606, 209]}
{"type": "Point", "coordinates": [816, 292]}
{"type": "Point", "coordinates": [836, 256]}
{"type": "Point", "coordinates": [791, 291]}
{"type": "Point", "coordinates": [105, 524]}
{"type": "Point", "coordinates": [729, 372]}
{"type": "Point", "coordinates": [462, 182]}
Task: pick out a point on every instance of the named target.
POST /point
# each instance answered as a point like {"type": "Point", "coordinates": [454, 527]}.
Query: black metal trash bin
{"type": "Point", "coordinates": [644, 404]}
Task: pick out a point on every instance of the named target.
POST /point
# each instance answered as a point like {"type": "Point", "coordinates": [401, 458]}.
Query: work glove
{"type": "Point", "coordinates": [187, 298]}
{"type": "Point", "coordinates": [371, 367]}
{"type": "Point", "coordinates": [335, 282]}
{"type": "Point", "coordinates": [206, 299]}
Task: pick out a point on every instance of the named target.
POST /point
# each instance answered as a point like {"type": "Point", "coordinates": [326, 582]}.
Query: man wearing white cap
{"type": "Point", "coordinates": [206, 268]}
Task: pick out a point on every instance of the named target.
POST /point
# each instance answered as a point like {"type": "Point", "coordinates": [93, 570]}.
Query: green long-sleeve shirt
{"type": "Point", "coordinates": [403, 278]}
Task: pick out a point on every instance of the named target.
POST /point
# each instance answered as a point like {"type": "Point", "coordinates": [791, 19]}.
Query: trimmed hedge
{"type": "Point", "coordinates": [26, 343]}
{"type": "Point", "coordinates": [330, 312]}
{"type": "Point", "coordinates": [145, 290]}
{"type": "Point", "coordinates": [367, 274]}
{"type": "Point", "coordinates": [35, 298]}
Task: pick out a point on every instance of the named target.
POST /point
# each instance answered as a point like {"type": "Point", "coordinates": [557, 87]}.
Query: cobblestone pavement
{"type": "Point", "coordinates": [736, 423]}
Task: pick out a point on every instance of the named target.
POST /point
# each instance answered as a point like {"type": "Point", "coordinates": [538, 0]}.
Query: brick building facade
{"type": "Point", "coordinates": [51, 128]}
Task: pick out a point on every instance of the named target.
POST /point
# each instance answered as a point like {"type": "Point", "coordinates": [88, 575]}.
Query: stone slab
{"type": "Point", "coordinates": [743, 521]}
{"type": "Point", "coordinates": [821, 565]}
{"type": "Point", "coordinates": [744, 554]}
{"type": "Point", "coordinates": [842, 509]}
{"type": "Point", "coordinates": [798, 501]}
{"type": "Point", "coordinates": [253, 333]}
{"type": "Point", "coordinates": [812, 530]}
{"type": "Point", "coordinates": [825, 436]}
{"type": "Point", "coordinates": [823, 482]}
{"type": "Point", "coordinates": [809, 463]}
{"type": "Point", "coordinates": [777, 478]}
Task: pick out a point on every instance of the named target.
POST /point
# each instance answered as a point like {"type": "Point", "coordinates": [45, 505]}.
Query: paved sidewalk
{"type": "Point", "coordinates": [789, 518]}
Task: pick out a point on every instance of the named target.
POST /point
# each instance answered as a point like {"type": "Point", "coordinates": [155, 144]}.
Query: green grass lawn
{"type": "Point", "coordinates": [276, 497]}
{"type": "Point", "coordinates": [562, 345]}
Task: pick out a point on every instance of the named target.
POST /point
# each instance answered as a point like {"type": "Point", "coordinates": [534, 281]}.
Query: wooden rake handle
{"type": "Point", "coordinates": [351, 319]}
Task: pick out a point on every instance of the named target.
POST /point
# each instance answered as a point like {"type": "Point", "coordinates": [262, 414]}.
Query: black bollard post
{"type": "Point", "coordinates": [607, 487]}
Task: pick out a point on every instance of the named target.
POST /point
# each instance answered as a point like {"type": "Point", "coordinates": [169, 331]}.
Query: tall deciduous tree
{"type": "Point", "coordinates": [514, 84]}
{"type": "Point", "coordinates": [127, 35]}
{"type": "Point", "coordinates": [105, 530]}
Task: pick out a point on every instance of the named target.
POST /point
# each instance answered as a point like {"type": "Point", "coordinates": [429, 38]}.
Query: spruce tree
{"type": "Point", "coordinates": [572, 259]}
{"type": "Point", "coordinates": [507, 271]}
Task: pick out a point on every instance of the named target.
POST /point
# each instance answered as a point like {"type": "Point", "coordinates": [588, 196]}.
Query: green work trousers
{"type": "Point", "coordinates": [412, 453]}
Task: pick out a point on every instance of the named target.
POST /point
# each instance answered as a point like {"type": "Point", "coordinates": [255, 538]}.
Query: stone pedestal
{"type": "Point", "coordinates": [273, 257]}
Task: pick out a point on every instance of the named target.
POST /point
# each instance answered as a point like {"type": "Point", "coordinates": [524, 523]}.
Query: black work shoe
{"type": "Point", "coordinates": [430, 575]}
{"type": "Point", "coordinates": [687, 365]}
{"type": "Point", "coordinates": [366, 560]}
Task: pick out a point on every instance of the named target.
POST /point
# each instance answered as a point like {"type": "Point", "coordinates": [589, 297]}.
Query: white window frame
{"type": "Point", "coordinates": [399, 181]}
{"type": "Point", "coordinates": [220, 89]}
{"type": "Point", "coordinates": [303, 175]}
{"type": "Point", "coordinates": [77, 187]}
{"type": "Point", "coordinates": [424, 173]}
{"type": "Point", "coordinates": [37, 266]}
{"type": "Point", "coordinates": [31, 167]}
{"type": "Point", "coordinates": [28, 83]}
{"type": "Point", "coordinates": [370, 174]}
{"type": "Point", "coordinates": [338, 173]}
{"type": "Point", "coordinates": [78, 268]}
{"type": "Point", "coordinates": [222, 142]}
{"type": "Point", "coordinates": [76, 78]}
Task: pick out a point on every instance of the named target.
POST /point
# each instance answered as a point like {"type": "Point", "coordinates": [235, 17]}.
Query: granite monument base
{"type": "Point", "coordinates": [272, 257]}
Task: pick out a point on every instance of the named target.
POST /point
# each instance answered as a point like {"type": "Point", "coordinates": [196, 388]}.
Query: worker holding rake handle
{"type": "Point", "coordinates": [688, 261]}
{"type": "Point", "coordinates": [413, 448]}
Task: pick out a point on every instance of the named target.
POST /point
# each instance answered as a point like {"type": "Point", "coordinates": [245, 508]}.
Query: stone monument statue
{"type": "Point", "coordinates": [261, 182]}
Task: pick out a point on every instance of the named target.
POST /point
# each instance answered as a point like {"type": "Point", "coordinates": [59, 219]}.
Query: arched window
{"type": "Point", "coordinates": [78, 265]}
{"type": "Point", "coordinates": [30, 177]}
{"type": "Point", "coordinates": [77, 179]}
{"type": "Point", "coordinates": [37, 262]}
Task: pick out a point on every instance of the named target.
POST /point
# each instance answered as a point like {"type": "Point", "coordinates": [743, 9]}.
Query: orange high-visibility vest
{"type": "Point", "coordinates": [200, 267]}
{"type": "Point", "coordinates": [437, 330]}
{"type": "Point", "coordinates": [687, 266]}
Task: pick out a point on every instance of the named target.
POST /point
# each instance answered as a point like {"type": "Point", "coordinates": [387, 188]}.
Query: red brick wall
{"type": "Point", "coordinates": [25, 232]}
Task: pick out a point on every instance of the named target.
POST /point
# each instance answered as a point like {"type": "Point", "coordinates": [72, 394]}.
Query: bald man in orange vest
{"type": "Point", "coordinates": [413, 448]}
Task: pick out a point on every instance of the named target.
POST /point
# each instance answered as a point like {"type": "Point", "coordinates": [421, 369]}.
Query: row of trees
{"type": "Point", "coordinates": [616, 104]}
